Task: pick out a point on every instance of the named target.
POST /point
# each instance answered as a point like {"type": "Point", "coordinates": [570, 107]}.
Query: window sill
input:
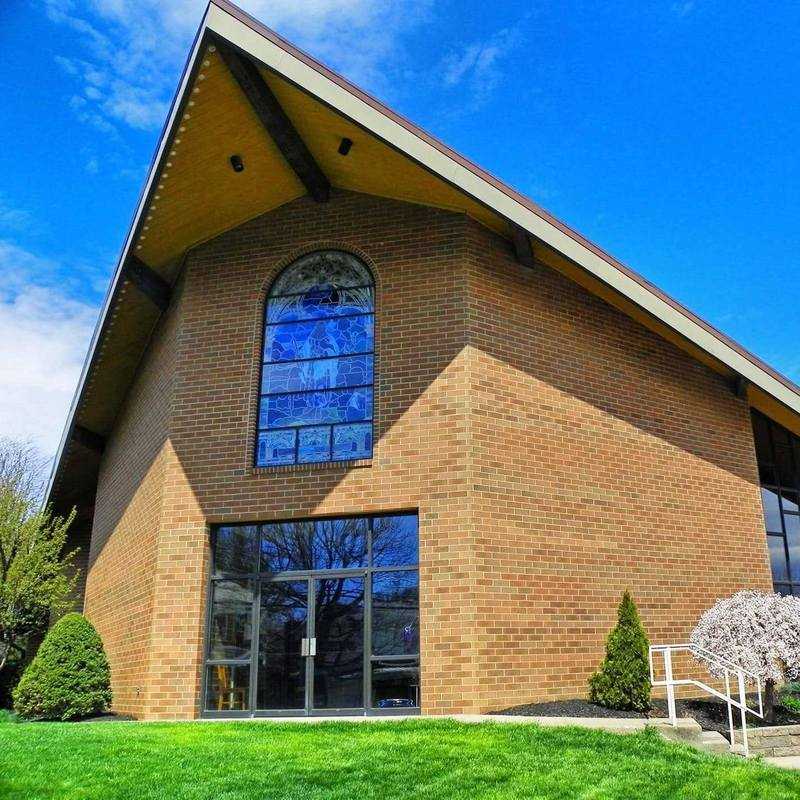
{"type": "Point", "coordinates": [325, 466]}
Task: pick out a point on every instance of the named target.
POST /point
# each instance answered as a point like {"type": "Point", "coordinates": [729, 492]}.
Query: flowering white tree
{"type": "Point", "coordinates": [760, 632]}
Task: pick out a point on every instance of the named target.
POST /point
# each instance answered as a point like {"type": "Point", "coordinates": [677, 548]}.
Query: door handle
{"type": "Point", "coordinates": [308, 647]}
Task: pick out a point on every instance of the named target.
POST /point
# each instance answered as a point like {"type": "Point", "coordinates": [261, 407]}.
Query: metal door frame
{"type": "Point", "coordinates": [308, 709]}
{"type": "Point", "coordinates": [256, 648]}
{"type": "Point", "coordinates": [366, 573]}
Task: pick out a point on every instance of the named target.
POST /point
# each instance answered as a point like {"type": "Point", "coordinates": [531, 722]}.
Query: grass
{"type": "Point", "coordinates": [434, 760]}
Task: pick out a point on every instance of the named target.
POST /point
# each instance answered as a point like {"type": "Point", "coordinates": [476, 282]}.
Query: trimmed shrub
{"type": "Point", "coordinates": [791, 703]}
{"type": "Point", "coordinates": [623, 680]}
{"type": "Point", "coordinates": [69, 677]}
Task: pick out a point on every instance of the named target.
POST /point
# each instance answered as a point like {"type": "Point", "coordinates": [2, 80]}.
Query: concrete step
{"type": "Point", "coordinates": [689, 732]}
{"type": "Point", "coordinates": [714, 742]}
{"type": "Point", "coordinates": [685, 724]}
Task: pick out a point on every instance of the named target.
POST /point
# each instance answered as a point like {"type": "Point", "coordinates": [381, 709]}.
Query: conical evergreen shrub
{"type": "Point", "coordinates": [69, 677]}
{"type": "Point", "coordinates": [623, 680]}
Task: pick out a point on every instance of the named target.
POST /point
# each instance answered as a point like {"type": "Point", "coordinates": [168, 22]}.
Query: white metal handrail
{"type": "Point", "coordinates": [728, 669]}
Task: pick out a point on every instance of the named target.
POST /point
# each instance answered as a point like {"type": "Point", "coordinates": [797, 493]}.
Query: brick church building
{"type": "Point", "coordinates": [363, 430]}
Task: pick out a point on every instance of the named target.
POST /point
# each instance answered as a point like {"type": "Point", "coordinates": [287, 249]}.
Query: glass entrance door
{"type": "Point", "coordinates": [311, 661]}
{"type": "Point", "coordinates": [338, 672]}
{"type": "Point", "coordinates": [282, 675]}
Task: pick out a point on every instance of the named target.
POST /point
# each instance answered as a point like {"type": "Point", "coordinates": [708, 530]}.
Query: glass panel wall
{"type": "Point", "coordinates": [778, 454]}
{"type": "Point", "coordinates": [313, 615]}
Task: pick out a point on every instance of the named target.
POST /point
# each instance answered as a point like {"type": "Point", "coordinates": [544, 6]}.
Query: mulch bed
{"type": "Point", "coordinates": [711, 715]}
{"type": "Point", "coordinates": [571, 708]}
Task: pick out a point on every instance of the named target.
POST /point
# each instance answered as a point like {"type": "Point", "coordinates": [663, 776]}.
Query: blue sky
{"type": "Point", "coordinates": [666, 132]}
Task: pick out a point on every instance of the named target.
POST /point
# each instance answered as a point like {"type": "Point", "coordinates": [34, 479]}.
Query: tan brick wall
{"type": "Point", "coordinates": [603, 458]}
{"type": "Point", "coordinates": [417, 255]}
{"type": "Point", "coordinates": [119, 584]}
{"type": "Point", "coordinates": [556, 452]}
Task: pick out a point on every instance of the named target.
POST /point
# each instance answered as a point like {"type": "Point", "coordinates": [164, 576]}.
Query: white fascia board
{"type": "Point", "coordinates": [395, 134]}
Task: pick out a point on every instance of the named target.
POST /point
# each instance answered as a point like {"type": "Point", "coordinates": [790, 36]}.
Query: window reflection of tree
{"type": "Point", "coordinates": [284, 610]}
{"type": "Point", "coordinates": [340, 543]}
{"type": "Point", "coordinates": [339, 629]}
{"type": "Point", "coordinates": [394, 541]}
{"type": "Point", "coordinates": [286, 546]}
{"type": "Point", "coordinates": [236, 548]}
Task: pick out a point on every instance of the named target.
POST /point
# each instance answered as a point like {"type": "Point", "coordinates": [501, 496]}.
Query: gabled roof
{"type": "Point", "coordinates": [246, 91]}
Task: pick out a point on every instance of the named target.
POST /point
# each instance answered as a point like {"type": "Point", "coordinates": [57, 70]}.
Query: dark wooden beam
{"type": "Point", "coordinates": [740, 387]}
{"type": "Point", "coordinates": [89, 439]}
{"type": "Point", "coordinates": [276, 123]}
{"type": "Point", "coordinates": [148, 282]}
{"type": "Point", "coordinates": [523, 247]}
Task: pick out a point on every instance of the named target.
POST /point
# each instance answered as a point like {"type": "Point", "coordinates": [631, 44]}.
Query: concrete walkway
{"type": "Point", "coordinates": [784, 762]}
{"type": "Point", "coordinates": [612, 724]}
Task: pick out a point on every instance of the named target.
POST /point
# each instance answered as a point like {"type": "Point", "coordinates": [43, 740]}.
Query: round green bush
{"type": "Point", "coordinates": [69, 677]}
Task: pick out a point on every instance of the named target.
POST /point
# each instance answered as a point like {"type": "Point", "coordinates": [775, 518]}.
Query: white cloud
{"type": "Point", "coordinates": [478, 65]}
{"type": "Point", "coordinates": [45, 335]}
{"type": "Point", "coordinates": [132, 52]}
{"type": "Point", "coordinates": [684, 8]}
{"type": "Point", "coordinates": [12, 218]}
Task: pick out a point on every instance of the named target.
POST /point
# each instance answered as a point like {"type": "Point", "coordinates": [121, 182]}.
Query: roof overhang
{"type": "Point", "coordinates": [411, 165]}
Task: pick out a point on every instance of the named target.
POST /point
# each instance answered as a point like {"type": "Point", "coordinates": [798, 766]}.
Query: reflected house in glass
{"type": "Point", "coordinates": [365, 431]}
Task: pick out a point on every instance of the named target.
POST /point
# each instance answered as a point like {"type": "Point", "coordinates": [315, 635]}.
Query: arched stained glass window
{"type": "Point", "coordinates": [317, 370]}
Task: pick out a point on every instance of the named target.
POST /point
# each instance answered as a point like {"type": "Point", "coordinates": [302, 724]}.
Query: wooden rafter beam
{"type": "Point", "coordinates": [89, 439]}
{"type": "Point", "coordinates": [523, 248]}
{"type": "Point", "coordinates": [148, 282]}
{"type": "Point", "coordinates": [740, 387]}
{"type": "Point", "coordinates": [276, 122]}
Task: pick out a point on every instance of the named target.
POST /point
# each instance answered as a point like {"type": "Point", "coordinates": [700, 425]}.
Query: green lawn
{"type": "Point", "coordinates": [386, 760]}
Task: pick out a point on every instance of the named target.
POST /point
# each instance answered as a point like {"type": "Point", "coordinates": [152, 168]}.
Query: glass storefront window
{"type": "Point", "coordinates": [318, 615]}
{"type": "Point", "coordinates": [231, 619]}
{"type": "Point", "coordinates": [778, 454]}
{"type": "Point", "coordinates": [228, 687]}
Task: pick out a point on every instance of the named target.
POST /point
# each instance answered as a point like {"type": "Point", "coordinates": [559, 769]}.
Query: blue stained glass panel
{"type": "Point", "coordinates": [314, 444]}
{"type": "Point", "coordinates": [352, 441]}
{"type": "Point", "coordinates": [316, 303]}
{"type": "Point", "coordinates": [318, 358]}
{"type": "Point", "coordinates": [315, 408]}
{"type": "Point", "coordinates": [275, 447]}
{"type": "Point", "coordinates": [328, 373]}
{"type": "Point", "coordinates": [338, 336]}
